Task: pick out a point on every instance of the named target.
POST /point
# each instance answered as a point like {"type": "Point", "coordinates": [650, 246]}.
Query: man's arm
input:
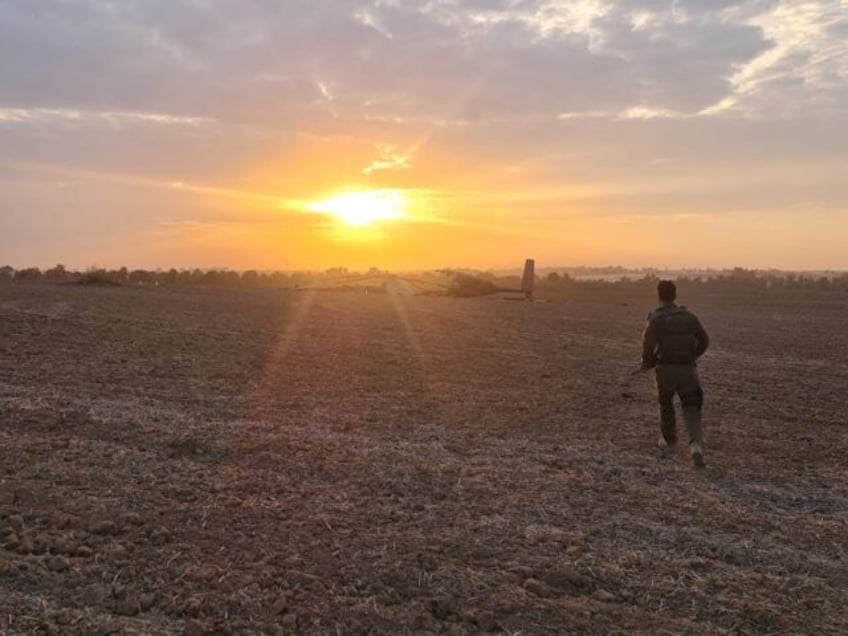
{"type": "Point", "coordinates": [649, 345]}
{"type": "Point", "coordinates": [702, 338]}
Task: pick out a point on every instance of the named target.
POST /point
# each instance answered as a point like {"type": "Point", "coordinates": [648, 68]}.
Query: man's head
{"type": "Point", "coordinates": [666, 291]}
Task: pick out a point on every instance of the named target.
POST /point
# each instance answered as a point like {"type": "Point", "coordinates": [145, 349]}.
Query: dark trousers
{"type": "Point", "coordinates": [681, 380]}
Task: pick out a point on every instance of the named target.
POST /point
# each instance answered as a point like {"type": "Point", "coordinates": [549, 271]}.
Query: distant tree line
{"type": "Point", "coordinates": [738, 278]}
{"type": "Point", "coordinates": [124, 276]}
{"type": "Point", "coordinates": [463, 283]}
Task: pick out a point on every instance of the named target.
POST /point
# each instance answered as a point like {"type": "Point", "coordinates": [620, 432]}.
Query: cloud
{"type": "Point", "coordinates": [804, 71]}
{"type": "Point", "coordinates": [642, 112]}
{"type": "Point", "coordinates": [461, 61]}
{"type": "Point", "coordinates": [388, 158]}
{"type": "Point", "coordinates": [112, 118]}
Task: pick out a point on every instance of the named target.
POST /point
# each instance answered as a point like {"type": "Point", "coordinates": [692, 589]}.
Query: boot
{"type": "Point", "coordinates": [692, 417]}
{"type": "Point", "coordinates": [667, 449]}
{"type": "Point", "coordinates": [698, 456]}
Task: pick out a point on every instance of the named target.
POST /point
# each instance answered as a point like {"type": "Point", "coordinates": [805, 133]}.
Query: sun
{"type": "Point", "coordinates": [362, 209]}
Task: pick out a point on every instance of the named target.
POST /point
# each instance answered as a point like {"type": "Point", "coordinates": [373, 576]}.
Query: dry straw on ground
{"type": "Point", "coordinates": [257, 462]}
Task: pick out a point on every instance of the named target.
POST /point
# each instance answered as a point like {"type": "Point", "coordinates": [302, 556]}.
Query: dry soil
{"type": "Point", "coordinates": [191, 461]}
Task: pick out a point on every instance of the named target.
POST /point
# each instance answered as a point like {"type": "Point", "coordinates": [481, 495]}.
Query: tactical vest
{"type": "Point", "coordinates": [675, 329]}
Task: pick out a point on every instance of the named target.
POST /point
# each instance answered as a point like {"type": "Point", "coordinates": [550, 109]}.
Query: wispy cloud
{"type": "Point", "coordinates": [388, 158]}
{"type": "Point", "coordinates": [113, 118]}
{"type": "Point", "coordinates": [806, 67]}
{"type": "Point", "coordinates": [646, 112]}
{"type": "Point", "coordinates": [630, 113]}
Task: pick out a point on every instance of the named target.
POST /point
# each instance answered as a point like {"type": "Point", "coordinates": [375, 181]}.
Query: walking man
{"type": "Point", "coordinates": [672, 342]}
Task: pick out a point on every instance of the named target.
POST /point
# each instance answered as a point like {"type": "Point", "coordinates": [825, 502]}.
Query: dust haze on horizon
{"type": "Point", "coordinates": [404, 135]}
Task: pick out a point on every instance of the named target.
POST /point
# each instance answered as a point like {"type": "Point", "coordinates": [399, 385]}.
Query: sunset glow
{"type": "Point", "coordinates": [405, 135]}
{"type": "Point", "coordinates": [362, 209]}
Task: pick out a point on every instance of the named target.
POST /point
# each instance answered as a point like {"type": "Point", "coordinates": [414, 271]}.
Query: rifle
{"type": "Point", "coordinates": [626, 383]}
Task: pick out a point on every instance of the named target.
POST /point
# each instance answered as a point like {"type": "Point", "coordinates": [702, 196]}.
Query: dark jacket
{"type": "Point", "coordinates": [673, 335]}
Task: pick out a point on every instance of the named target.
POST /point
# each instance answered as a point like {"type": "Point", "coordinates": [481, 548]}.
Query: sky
{"type": "Point", "coordinates": [416, 134]}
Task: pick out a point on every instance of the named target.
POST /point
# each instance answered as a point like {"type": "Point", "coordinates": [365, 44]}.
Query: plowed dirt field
{"type": "Point", "coordinates": [190, 461]}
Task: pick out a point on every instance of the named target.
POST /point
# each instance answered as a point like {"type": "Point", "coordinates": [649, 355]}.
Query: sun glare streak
{"type": "Point", "coordinates": [277, 367]}
{"type": "Point", "coordinates": [409, 333]}
{"type": "Point", "coordinates": [418, 360]}
{"type": "Point", "coordinates": [453, 110]}
{"type": "Point", "coordinates": [362, 209]}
